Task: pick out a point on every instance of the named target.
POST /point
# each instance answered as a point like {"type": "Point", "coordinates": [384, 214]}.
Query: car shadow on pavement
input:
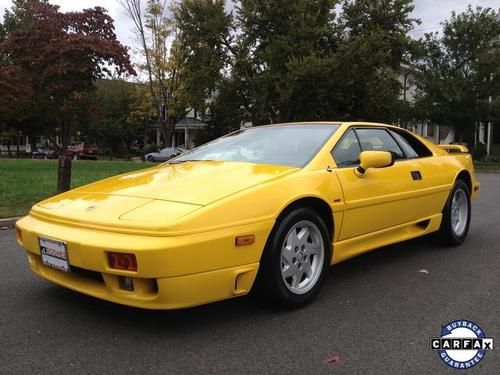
{"type": "Point", "coordinates": [239, 311]}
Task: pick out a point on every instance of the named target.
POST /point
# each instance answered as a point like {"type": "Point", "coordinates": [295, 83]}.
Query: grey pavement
{"type": "Point", "coordinates": [375, 315]}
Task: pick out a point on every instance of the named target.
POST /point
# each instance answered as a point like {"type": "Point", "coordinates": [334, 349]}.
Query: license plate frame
{"type": "Point", "coordinates": [54, 253]}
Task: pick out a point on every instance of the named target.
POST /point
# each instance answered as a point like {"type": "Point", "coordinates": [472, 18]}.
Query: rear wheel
{"type": "Point", "coordinates": [296, 259]}
{"type": "Point", "coordinates": [456, 216]}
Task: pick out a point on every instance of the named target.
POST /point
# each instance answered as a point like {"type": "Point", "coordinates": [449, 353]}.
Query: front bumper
{"type": "Point", "coordinates": [173, 272]}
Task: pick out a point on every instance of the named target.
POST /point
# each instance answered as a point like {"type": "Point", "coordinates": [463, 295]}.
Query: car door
{"type": "Point", "coordinates": [383, 197]}
{"type": "Point", "coordinates": [434, 175]}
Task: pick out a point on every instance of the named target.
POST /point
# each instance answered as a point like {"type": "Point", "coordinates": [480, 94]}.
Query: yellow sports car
{"type": "Point", "coordinates": [268, 208]}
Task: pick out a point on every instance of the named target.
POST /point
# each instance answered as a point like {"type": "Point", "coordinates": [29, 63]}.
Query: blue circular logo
{"type": "Point", "coordinates": [462, 345]}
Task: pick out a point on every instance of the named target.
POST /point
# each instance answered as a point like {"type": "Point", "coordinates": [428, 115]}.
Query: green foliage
{"type": "Point", "coordinates": [305, 61]}
{"type": "Point", "coordinates": [479, 151]}
{"type": "Point", "coordinates": [203, 35]}
{"type": "Point", "coordinates": [459, 71]}
{"type": "Point", "coordinates": [277, 36]}
{"type": "Point", "coordinates": [113, 128]}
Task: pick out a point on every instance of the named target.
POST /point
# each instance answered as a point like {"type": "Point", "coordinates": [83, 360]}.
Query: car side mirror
{"type": "Point", "coordinates": [373, 159]}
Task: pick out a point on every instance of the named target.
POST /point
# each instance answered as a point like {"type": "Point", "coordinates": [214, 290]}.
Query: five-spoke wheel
{"type": "Point", "coordinates": [302, 256]}
{"type": "Point", "coordinates": [296, 258]}
{"type": "Point", "coordinates": [456, 216]}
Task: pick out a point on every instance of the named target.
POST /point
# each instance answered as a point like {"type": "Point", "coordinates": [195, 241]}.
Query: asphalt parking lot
{"type": "Point", "coordinates": [375, 315]}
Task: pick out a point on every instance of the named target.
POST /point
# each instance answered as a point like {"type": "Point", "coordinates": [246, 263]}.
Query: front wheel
{"type": "Point", "coordinates": [295, 260]}
{"type": "Point", "coordinates": [456, 216]}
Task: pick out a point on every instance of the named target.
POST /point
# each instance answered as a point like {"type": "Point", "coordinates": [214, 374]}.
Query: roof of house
{"type": "Point", "coordinates": [191, 122]}
{"type": "Point", "coordinates": [185, 123]}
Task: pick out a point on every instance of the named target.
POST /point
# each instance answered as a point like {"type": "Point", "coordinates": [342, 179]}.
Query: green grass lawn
{"type": "Point", "coordinates": [24, 182]}
{"type": "Point", "coordinates": [489, 166]}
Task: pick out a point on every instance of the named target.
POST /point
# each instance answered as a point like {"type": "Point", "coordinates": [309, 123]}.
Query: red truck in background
{"type": "Point", "coordinates": [81, 150]}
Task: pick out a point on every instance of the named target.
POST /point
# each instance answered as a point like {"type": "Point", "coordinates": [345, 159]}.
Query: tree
{"type": "Point", "coordinates": [374, 44]}
{"type": "Point", "coordinates": [112, 126]}
{"type": "Point", "coordinates": [314, 59]}
{"type": "Point", "coordinates": [279, 37]}
{"type": "Point", "coordinates": [163, 60]}
{"type": "Point", "coordinates": [72, 51]}
{"type": "Point", "coordinates": [183, 44]}
{"type": "Point", "coordinates": [204, 36]}
{"type": "Point", "coordinates": [459, 71]}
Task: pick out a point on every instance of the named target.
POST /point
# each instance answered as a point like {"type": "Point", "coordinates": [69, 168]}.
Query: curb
{"type": "Point", "coordinates": [8, 223]}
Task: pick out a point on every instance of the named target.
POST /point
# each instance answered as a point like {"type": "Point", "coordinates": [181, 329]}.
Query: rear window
{"type": "Point", "coordinates": [418, 147]}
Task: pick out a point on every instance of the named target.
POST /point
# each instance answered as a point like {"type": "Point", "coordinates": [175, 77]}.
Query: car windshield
{"type": "Point", "coordinates": [292, 145]}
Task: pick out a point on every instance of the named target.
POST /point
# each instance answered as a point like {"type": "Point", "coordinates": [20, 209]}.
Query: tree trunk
{"type": "Point", "coordinates": [9, 150]}
{"type": "Point", "coordinates": [164, 131]}
{"type": "Point", "coordinates": [170, 130]}
{"type": "Point", "coordinates": [32, 144]}
{"type": "Point", "coordinates": [64, 171]}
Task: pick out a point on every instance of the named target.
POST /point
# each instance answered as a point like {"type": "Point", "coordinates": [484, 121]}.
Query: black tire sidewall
{"type": "Point", "coordinates": [270, 280]}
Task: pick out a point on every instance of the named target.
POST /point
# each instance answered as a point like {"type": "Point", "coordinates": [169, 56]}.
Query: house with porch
{"type": "Point", "coordinates": [184, 135]}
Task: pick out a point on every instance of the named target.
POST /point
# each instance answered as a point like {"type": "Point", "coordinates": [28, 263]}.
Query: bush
{"type": "Point", "coordinates": [149, 149]}
{"type": "Point", "coordinates": [479, 152]}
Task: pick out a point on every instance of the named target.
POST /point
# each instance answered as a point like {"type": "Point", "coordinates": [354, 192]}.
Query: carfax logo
{"type": "Point", "coordinates": [462, 345]}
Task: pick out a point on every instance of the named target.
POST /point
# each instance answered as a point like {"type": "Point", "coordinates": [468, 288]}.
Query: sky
{"type": "Point", "coordinates": [431, 12]}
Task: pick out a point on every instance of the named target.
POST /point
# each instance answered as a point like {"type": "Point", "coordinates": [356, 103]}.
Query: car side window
{"type": "Point", "coordinates": [379, 140]}
{"type": "Point", "coordinates": [346, 152]}
{"type": "Point", "coordinates": [409, 151]}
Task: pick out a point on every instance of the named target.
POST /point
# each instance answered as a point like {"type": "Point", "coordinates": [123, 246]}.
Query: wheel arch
{"type": "Point", "coordinates": [318, 205]}
{"type": "Point", "coordinates": [465, 176]}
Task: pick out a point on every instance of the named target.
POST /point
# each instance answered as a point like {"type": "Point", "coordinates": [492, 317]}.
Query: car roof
{"type": "Point", "coordinates": [337, 123]}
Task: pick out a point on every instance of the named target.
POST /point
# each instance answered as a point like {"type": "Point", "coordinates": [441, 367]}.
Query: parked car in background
{"type": "Point", "coordinates": [45, 153]}
{"type": "Point", "coordinates": [81, 150]}
{"type": "Point", "coordinates": [164, 154]}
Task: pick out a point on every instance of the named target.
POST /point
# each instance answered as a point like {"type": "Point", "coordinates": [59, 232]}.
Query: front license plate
{"type": "Point", "coordinates": [54, 254]}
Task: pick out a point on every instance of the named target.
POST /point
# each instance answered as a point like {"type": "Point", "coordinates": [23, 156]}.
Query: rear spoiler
{"type": "Point", "coordinates": [455, 149]}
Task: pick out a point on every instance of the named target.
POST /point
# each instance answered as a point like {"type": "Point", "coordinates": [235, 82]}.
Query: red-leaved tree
{"type": "Point", "coordinates": [59, 56]}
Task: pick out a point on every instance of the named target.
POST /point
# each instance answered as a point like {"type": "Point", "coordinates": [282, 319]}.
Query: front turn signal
{"type": "Point", "coordinates": [245, 240]}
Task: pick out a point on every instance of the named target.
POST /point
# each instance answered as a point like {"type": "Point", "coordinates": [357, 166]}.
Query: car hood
{"type": "Point", "coordinates": [156, 197]}
{"type": "Point", "coordinates": [199, 183]}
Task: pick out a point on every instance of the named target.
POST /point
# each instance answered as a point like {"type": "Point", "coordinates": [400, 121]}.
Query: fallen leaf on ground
{"type": "Point", "coordinates": [334, 358]}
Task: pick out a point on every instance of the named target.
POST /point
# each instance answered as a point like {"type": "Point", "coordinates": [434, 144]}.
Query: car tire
{"type": "Point", "coordinates": [295, 260]}
{"type": "Point", "coordinates": [456, 216]}
{"type": "Point", "coordinates": [150, 159]}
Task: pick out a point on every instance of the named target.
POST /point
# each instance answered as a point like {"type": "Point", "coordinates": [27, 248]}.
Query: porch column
{"type": "Point", "coordinates": [186, 138]}
{"type": "Point", "coordinates": [481, 133]}
{"type": "Point", "coordinates": [489, 139]}
{"type": "Point", "coordinates": [158, 137]}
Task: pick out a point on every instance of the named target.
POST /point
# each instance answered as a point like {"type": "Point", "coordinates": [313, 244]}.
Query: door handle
{"type": "Point", "coordinates": [416, 175]}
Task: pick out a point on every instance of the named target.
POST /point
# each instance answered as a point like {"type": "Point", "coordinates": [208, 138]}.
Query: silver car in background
{"type": "Point", "coordinates": [164, 154]}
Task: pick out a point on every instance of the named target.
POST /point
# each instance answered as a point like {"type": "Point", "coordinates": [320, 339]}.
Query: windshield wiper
{"type": "Point", "coordinates": [186, 161]}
